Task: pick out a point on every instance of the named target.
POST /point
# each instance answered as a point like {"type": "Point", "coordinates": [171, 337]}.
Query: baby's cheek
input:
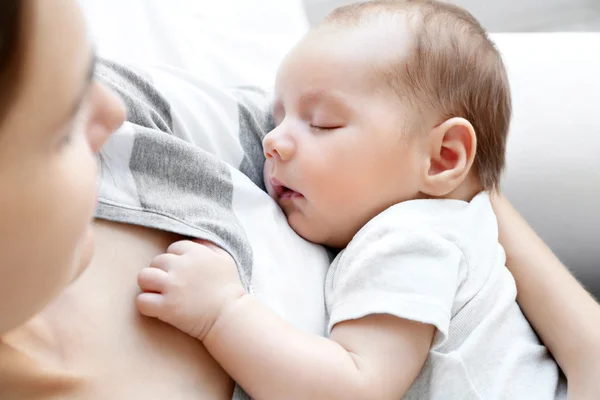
{"type": "Point", "coordinates": [267, 179]}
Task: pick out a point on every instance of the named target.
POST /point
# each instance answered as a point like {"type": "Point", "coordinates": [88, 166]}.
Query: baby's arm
{"type": "Point", "coordinates": [195, 288]}
{"type": "Point", "coordinates": [375, 357]}
{"type": "Point", "coordinates": [564, 315]}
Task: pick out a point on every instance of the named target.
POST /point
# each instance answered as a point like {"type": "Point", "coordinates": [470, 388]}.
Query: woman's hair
{"type": "Point", "coordinates": [11, 32]}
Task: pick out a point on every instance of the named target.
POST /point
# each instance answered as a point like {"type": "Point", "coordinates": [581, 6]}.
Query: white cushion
{"type": "Point", "coordinates": [553, 174]}
{"type": "Point", "coordinates": [230, 42]}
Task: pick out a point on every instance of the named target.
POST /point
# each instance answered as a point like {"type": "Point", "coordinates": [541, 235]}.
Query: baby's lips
{"type": "Point", "coordinates": [283, 191]}
{"type": "Point", "coordinates": [278, 187]}
{"type": "Point", "coordinates": [275, 182]}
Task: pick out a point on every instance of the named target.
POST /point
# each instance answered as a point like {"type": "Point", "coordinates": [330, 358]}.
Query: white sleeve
{"type": "Point", "coordinates": [411, 274]}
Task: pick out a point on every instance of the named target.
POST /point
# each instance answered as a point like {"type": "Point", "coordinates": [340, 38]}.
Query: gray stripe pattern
{"type": "Point", "coordinates": [179, 187]}
{"type": "Point", "coordinates": [256, 121]}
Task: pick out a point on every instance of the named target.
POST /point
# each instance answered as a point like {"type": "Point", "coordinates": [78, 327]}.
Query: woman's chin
{"type": "Point", "coordinates": [84, 254]}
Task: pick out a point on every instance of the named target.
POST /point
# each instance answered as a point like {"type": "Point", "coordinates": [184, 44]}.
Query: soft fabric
{"type": "Point", "coordinates": [226, 42]}
{"type": "Point", "coordinates": [439, 262]}
{"type": "Point", "coordinates": [189, 160]}
{"type": "Point", "coordinates": [194, 50]}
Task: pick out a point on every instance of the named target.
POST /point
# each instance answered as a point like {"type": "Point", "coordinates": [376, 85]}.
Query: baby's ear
{"type": "Point", "coordinates": [452, 146]}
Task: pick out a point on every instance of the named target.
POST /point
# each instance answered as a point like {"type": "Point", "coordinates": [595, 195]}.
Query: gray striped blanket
{"type": "Point", "coordinates": [189, 160]}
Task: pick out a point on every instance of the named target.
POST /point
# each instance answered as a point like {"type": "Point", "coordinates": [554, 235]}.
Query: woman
{"type": "Point", "coordinates": [89, 342]}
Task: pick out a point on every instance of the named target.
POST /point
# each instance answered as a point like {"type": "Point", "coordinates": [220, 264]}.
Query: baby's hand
{"type": "Point", "coordinates": [189, 286]}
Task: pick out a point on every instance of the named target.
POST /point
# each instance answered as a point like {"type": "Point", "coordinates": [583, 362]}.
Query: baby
{"type": "Point", "coordinates": [391, 124]}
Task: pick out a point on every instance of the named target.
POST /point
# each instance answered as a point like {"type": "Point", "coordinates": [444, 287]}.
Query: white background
{"type": "Point", "coordinates": [510, 15]}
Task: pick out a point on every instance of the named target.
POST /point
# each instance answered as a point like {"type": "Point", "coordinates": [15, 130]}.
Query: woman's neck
{"type": "Point", "coordinates": [30, 364]}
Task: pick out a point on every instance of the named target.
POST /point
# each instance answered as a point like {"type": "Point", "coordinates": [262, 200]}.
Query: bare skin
{"type": "Point", "coordinates": [92, 343]}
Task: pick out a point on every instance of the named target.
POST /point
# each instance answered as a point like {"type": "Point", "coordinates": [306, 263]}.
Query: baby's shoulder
{"type": "Point", "coordinates": [447, 218]}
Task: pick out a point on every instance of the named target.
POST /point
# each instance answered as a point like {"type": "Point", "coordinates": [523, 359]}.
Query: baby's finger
{"type": "Point", "coordinates": [163, 261]}
{"type": "Point", "coordinates": [181, 247]}
{"type": "Point", "coordinates": [150, 304]}
{"type": "Point", "coordinates": [211, 246]}
{"type": "Point", "coordinates": [152, 280]}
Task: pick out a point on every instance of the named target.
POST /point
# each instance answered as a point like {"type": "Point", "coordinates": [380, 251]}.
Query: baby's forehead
{"type": "Point", "coordinates": [383, 35]}
{"type": "Point", "coordinates": [366, 50]}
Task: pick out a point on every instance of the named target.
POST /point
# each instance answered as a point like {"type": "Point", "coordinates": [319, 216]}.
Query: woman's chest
{"type": "Point", "coordinates": [94, 336]}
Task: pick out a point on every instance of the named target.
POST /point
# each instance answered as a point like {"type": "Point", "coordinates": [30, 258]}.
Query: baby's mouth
{"type": "Point", "coordinates": [288, 193]}
{"type": "Point", "coordinates": [283, 192]}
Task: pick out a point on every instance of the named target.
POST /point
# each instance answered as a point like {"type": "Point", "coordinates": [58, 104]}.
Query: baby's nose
{"type": "Point", "coordinates": [279, 145]}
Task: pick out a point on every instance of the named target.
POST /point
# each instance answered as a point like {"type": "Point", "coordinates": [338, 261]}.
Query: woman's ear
{"type": "Point", "coordinates": [451, 150]}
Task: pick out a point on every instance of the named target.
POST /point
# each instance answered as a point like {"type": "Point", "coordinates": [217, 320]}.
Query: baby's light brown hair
{"type": "Point", "coordinates": [452, 70]}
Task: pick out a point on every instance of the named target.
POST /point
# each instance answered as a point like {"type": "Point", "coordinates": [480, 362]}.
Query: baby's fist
{"type": "Point", "coordinates": [189, 286]}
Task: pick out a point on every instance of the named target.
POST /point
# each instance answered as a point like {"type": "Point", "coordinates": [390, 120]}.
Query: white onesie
{"type": "Point", "coordinates": [439, 262]}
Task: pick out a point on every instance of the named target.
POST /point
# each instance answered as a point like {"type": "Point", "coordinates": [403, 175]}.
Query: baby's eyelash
{"type": "Point", "coordinates": [324, 128]}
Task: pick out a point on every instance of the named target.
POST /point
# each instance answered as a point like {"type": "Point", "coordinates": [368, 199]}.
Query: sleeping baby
{"type": "Point", "coordinates": [391, 119]}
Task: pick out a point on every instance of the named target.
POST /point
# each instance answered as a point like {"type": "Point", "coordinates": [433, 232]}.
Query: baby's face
{"type": "Point", "coordinates": [337, 156]}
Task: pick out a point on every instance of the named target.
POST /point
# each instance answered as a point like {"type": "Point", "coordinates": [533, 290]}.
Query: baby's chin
{"type": "Point", "coordinates": [317, 233]}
